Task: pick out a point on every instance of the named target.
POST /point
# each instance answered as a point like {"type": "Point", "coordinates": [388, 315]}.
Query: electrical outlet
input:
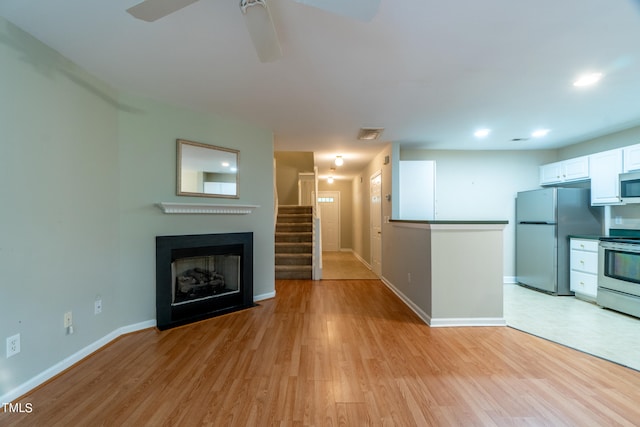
{"type": "Point", "coordinates": [68, 319]}
{"type": "Point", "coordinates": [13, 345]}
{"type": "Point", "coordinates": [97, 306]}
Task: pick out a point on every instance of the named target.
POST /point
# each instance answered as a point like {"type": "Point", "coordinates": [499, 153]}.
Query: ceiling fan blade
{"type": "Point", "coordinates": [362, 10]}
{"type": "Point", "coordinates": [261, 29]}
{"type": "Point", "coordinates": [152, 10]}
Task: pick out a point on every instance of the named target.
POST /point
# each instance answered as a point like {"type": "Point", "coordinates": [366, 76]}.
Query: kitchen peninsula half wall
{"type": "Point", "coordinates": [449, 272]}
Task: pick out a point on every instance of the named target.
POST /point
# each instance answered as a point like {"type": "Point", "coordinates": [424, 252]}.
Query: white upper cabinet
{"type": "Point", "coordinates": [551, 173]}
{"type": "Point", "coordinates": [605, 183]}
{"type": "Point", "coordinates": [576, 169]}
{"type": "Point", "coordinates": [632, 158]}
{"type": "Point", "coordinates": [565, 171]}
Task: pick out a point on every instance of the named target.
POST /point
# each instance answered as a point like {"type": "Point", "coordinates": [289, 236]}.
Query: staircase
{"type": "Point", "coordinates": [294, 242]}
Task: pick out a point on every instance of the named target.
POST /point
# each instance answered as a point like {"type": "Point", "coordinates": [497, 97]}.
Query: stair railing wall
{"type": "Point", "coordinates": [317, 232]}
{"type": "Point", "coordinates": [276, 203]}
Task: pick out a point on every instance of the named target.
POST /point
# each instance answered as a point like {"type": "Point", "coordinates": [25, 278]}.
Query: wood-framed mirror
{"type": "Point", "coordinates": [205, 170]}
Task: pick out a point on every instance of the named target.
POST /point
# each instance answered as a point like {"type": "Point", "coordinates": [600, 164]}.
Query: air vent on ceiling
{"type": "Point", "coordinates": [370, 134]}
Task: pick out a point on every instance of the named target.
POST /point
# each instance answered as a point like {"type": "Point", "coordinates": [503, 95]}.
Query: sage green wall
{"type": "Point", "coordinates": [59, 214]}
{"type": "Point", "coordinates": [147, 132]}
{"type": "Point", "coordinates": [82, 167]}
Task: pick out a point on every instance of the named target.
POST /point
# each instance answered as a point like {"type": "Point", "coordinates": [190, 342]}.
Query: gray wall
{"type": "Point", "coordinates": [82, 166]}
{"type": "Point", "coordinates": [361, 209]}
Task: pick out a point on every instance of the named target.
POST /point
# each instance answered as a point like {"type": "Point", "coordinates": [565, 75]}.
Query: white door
{"type": "Point", "coordinates": [306, 187]}
{"type": "Point", "coordinates": [329, 204]}
{"type": "Point", "coordinates": [376, 222]}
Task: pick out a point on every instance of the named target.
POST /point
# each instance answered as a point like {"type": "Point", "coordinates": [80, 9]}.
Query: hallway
{"type": "Point", "coordinates": [344, 266]}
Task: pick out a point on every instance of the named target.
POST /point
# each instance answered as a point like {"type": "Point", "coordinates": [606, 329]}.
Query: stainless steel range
{"type": "Point", "coordinates": [619, 274]}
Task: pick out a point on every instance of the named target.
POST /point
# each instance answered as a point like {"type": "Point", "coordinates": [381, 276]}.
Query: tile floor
{"type": "Point", "coordinates": [575, 323]}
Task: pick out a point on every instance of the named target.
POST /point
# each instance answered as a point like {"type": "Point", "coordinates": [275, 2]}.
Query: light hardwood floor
{"type": "Point", "coordinates": [335, 353]}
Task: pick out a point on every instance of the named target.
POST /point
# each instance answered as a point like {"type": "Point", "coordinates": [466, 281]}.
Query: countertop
{"type": "Point", "coordinates": [585, 236]}
{"type": "Point", "coordinates": [455, 222]}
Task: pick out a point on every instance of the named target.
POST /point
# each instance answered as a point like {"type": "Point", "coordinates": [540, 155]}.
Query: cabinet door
{"type": "Point", "coordinates": [576, 169]}
{"type": "Point", "coordinates": [551, 173]}
{"type": "Point", "coordinates": [605, 185]}
{"type": "Point", "coordinates": [631, 156]}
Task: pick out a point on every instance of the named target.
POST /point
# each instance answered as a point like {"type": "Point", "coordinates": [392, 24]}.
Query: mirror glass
{"type": "Point", "coordinates": [206, 170]}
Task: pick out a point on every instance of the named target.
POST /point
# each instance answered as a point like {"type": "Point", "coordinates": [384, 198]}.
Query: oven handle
{"type": "Point", "coordinates": [622, 247]}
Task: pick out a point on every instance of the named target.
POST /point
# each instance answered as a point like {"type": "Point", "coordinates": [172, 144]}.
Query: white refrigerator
{"type": "Point", "coordinates": [545, 219]}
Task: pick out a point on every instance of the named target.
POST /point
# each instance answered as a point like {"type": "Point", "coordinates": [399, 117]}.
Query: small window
{"type": "Point", "coordinates": [325, 199]}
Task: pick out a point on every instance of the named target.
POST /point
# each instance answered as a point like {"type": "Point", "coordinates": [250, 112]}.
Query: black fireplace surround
{"type": "Point", "coordinates": [169, 249]}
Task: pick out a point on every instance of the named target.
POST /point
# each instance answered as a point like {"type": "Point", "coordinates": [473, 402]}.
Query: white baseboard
{"type": "Point", "coordinates": [472, 321]}
{"type": "Point", "coordinates": [444, 322]}
{"type": "Point", "coordinates": [362, 260]}
{"type": "Point", "coordinates": [509, 279]}
{"type": "Point", "coordinates": [73, 359]}
{"type": "Point", "coordinates": [261, 297]}
{"type": "Point", "coordinates": [417, 310]}
{"type": "Point", "coordinates": [86, 351]}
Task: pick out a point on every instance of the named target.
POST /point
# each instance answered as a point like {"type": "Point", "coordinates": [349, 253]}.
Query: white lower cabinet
{"type": "Point", "coordinates": [584, 268]}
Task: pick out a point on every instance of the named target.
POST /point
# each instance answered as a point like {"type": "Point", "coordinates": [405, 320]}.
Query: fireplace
{"type": "Point", "coordinates": [201, 276]}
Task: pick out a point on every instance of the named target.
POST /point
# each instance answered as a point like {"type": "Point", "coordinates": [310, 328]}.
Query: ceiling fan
{"type": "Point", "coordinates": [258, 18]}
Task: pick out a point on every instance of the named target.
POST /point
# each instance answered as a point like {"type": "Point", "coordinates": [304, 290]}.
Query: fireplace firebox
{"type": "Point", "coordinates": [202, 276]}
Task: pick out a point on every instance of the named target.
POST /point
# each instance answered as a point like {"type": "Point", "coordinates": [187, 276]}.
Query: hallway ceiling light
{"type": "Point", "coordinates": [339, 161]}
{"type": "Point", "coordinates": [330, 180]}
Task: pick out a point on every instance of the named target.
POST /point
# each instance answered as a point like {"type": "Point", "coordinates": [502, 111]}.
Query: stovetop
{"type": "Point", "coordinates": [622, 235]}
{"type": "Point", "coordinates": [625, 239]}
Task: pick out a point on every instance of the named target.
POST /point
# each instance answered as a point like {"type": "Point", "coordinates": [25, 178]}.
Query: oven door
{"type": "Point", "coordinates": [619, 267]}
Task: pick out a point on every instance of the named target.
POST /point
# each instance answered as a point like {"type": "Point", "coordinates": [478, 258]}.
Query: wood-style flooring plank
{"type": "Point", "coordinates": [333, 353]}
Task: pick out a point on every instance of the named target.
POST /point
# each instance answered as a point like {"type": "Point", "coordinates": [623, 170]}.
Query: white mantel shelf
{"type": "Point", "coordinates": [205, 208]}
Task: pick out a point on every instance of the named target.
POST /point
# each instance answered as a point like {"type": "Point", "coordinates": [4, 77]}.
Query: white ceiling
{"type": "Point", "coordinates": [430, 72]}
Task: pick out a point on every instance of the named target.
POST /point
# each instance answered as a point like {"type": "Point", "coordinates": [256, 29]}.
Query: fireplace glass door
{"type": "Point", "coordinates": [203, 277]}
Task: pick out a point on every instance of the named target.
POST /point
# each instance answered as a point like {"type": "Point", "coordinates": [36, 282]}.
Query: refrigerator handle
{"type": "Point", "coordinates": [537, 222]}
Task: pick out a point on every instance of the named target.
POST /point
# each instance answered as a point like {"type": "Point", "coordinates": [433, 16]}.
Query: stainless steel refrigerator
{"type": "Point", "coordinates": [545, 219]}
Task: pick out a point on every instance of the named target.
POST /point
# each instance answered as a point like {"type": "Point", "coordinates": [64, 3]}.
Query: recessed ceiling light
{"type": "Point", "coordinates": [588, 79]}
{"type": "Point", "coordinates": [539, 133]}
{"type": "Point", "coordinates": [482, 133]}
